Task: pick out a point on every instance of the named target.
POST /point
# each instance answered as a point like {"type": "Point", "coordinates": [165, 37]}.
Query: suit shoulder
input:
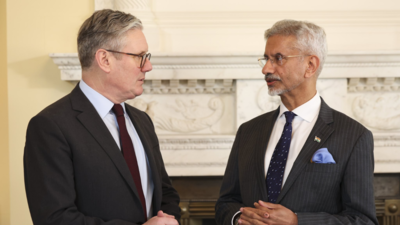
{"type": "Point", "coordinates": [344, 122]}
{"type": "Point", "coordinates": [56, 109]}
{"type": "Point", "coordinates": [261, 119]}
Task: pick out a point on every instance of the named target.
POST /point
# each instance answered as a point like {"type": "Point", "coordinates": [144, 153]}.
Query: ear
{"type": "Point", "coordinates": [102, 58]}
{"type": "Point", "coordinates": [312, 66]}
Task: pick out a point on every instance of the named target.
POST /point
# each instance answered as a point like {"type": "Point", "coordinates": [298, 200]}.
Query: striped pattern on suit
{"type": "Point", "coordinates": [340, 193]}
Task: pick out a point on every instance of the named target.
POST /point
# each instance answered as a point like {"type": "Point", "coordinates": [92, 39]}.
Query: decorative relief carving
{"type": "Point", "coordinates": [380, 112]}
{"type": "Point", "coordinates": [196, 144]}
{"type": "Point", "coordinates": [175, 86]}
{"type": "Point", "coordinates": [387, 161]}
{"type": "Point", "coordinates": [147, 107]}
{"type": "Point", "coordinates": [192, 120]}
{"type": "Point", "coordinates": [255, 65]}
{"type": "Point", "coordinates": [196, 164]}
{"type": "Point", "coordinates": [389, 64]}
{"type": "Point", "coordinates": [387, 141]}
{"type": "Point", "coordinates": [197, 140]}
{"type": "Point", "coordinates": [265, 101]}
{"type": "Point", "coordinates": [373, 84]}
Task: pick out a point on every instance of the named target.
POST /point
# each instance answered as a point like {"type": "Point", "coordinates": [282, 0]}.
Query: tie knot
{"type": "Point", "coordinates": [118, 110]}
{"type": "Point", "coordinates": [289, 116]}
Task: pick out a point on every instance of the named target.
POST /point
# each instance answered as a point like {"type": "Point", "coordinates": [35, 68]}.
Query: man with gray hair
{"type": "Point", "coordinates": [89, 158]}
{"type": "Point", "coordinates": [303, 163]}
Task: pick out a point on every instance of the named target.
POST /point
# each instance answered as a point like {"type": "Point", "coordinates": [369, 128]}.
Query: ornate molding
{"type": "Point", "coordinates": [390, 140]}
{"type": "Point", "coordinates": [371, 84]}
{"type": "Point", "coordinates": [222, 143]}
{"type": "Point", "coordinates": [202, 165]}
{"type": "Point", "coordinates": [244, 66]}
{"type": "Point", "coordinates": [378, 111]}
{"type": "Point", "coordinates": [387, 161]}
{"type": "Point", "coordinates": [371, 64]}
{"type": "Point", "coordinates": [189, 86]}
{"type": "Point", "coordinates": [191, 120]}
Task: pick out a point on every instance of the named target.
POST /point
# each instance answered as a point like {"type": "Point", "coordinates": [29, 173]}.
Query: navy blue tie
{"type": "Point", "coordinates": [277, 165]}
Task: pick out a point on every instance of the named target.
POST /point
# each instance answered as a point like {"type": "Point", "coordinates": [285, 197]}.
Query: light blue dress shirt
{"type": "Point", "coordinates": [104, 107]}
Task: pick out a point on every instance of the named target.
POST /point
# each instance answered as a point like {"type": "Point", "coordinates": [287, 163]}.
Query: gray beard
{"type": "Point", "coordinates": [275, 92]}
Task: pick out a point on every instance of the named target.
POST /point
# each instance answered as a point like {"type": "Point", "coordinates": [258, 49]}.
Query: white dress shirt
{"type": "Point", "coordinates": [104, 108]}
{"type": "Point", "coordinates": [302, 124]}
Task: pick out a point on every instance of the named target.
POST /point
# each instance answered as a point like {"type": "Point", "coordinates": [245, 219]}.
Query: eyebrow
{"type": "Point", "coordinates": [265, 55]}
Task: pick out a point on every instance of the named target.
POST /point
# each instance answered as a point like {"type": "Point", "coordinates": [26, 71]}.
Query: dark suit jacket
{"type": "Point", "coordinates": [340, 193]}
{"type": "Point", "coordinates": [76, 174]}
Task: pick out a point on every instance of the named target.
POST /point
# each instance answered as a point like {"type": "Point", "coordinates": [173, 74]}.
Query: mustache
{"type": "Point", "coordinates": [271, 76]}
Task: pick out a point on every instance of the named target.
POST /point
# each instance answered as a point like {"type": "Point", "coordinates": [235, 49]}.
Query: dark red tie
{"type": "Point", "coordinates": [129, 153]}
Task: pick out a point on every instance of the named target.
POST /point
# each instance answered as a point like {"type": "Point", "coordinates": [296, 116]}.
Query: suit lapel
{"type": "Point", "coordinates": [261, 149]}
{"type": "Point", "coordinates": [146, 142]}
{"type": "Point", "coordinates": [322, 130]}
{"type": "Point", "coordinates": [96, 127]}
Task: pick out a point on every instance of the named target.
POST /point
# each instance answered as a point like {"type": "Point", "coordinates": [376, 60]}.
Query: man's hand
{"type": "Point", "coordinates": [162, 219]}
{"type": "Point", "coordinates": [272, 214]}
{"type": "Point", "coordinates": [163, 214]}
{"type": "Point", "coordinates": [253, 216]}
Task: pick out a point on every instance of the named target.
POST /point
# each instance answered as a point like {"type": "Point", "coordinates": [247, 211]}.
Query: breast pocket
{"type": "Point", "coordinates": [322, 168]}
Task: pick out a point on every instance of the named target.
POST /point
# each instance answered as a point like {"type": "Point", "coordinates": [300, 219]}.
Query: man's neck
{"type": "Point", "coordinates": [96, 83]}
{"type": "Point", "coordinates": [292, 101]}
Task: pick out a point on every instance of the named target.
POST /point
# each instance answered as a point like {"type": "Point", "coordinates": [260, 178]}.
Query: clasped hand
{"type": "Point", "coordinates": [266, 213]}
{"type": "Point", "coordinates": [162, 219]}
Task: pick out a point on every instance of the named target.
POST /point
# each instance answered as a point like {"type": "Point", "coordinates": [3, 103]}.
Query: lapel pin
{"type": "Point", "coordinates": [317, 139]}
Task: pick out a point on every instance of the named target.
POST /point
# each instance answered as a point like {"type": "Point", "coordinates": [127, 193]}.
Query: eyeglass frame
{"type": "Point", "coordinates": [144, 57]}
{"type": "Point", "coordinates": [279, 60]}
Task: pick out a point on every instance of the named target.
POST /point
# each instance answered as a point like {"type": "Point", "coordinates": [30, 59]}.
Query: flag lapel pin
{"type": "Point", "coordinates": [317, 139]}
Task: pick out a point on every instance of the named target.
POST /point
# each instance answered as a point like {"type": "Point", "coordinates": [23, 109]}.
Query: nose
{"type": "Point", "coordinates": [268, 67]}
{"type": "Point", "coordinates": [147, 66]}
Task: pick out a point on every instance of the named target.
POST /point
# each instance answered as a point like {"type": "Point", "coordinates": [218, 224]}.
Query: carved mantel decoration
{"type": "Point", "coordinates": [197, 102]}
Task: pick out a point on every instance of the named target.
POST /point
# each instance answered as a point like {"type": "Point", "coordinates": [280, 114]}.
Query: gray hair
{"type": "Point", "coordinates": [104, 29]}
{"type": "Point", "coordinates": [311, 39]}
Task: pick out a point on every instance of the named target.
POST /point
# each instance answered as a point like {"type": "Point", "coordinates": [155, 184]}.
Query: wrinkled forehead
{"type": "Point", "coordinates": [281, 44]}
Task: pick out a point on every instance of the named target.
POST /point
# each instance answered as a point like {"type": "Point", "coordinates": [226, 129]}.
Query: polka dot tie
{"type": "Point", "coordinates": [277, 165]}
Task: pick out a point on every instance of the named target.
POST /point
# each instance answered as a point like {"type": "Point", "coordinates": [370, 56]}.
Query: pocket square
{"type": "Point", "coordinates": [323, 156]}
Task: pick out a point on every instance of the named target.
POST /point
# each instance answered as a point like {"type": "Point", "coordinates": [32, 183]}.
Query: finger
{"type": "Point", "coordinates": [169, 216]}
{"type": "Point", "coordinates": [160, 213]}
{"type": "Point", "coordinates": [251, 221]}
{"type": "Point", "coordinates": [250, 211]}
{"type": "Point", "coordinates": [267, 204]}
{"type": "Point", "coordinates": [244, 222]}
{"type": "Point", "coordinates": [260, 212]}
{"type": "Point", "coordinates": [252, 218]}
{"type": "Point", "coordinates": [170, 221]}
{"type": "Point", "coordinates": [265, 209]}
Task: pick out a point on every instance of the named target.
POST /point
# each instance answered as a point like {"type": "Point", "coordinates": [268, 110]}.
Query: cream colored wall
{"type": "Point", "coordinates": [35, 29]}
{"type": "Point", "coordinates": [4, 155]}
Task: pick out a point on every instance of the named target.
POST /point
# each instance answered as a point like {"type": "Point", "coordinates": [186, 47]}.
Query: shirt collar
{"type": "Point", "coordinates": [308, 111]}
{"type": "Point", "coordinates": [102, 105]}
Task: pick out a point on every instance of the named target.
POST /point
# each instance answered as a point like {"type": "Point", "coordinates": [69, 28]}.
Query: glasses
{"type": "Point", "coordinates": [278, 59]}
{"type": "Point", "coordinates": [143, 57]}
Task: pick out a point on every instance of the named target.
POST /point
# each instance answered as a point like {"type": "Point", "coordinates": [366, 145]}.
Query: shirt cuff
{"type": "Point", "coordinates": [233, 217]}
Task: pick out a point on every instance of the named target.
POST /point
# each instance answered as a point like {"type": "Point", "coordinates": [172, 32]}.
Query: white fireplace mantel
{"type": "Point", "coordinates": [198, 101]}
